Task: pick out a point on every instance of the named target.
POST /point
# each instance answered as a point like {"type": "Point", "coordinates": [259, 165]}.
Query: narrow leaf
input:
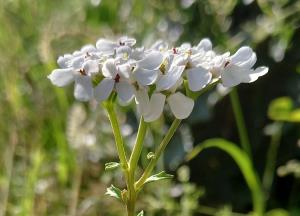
{"type": "Point", "coordinates": [159, 176]}
{"type": "Point", "coordinates": [114, 192]}
{"type": "Point", "coordinates": [141, 213]}
{"type": "Point", "coordinates": [111, 165]}
{"type": "Point", "coordinates": [243, 161]}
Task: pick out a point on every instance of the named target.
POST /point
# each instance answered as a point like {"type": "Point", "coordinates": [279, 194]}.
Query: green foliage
{"type": "Point", "coordinates": [159, 176]}
{"type": "Point", "coordinates": [114, 192]}
{"type": "Point", "coordinates": [282, 109]}
{"type": "Point", "coordinates": [245, 165]}
{"type": "Point", "coordinates": [112, 165]}
{"type": "Point", "coordinates": [277, 212]}
{"type": "Point", "coordinates": [141, 213]}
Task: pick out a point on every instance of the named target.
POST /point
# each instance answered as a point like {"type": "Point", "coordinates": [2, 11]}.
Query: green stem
{"type": "Point", "coordinates": [158, 153]}
{"type": "Point", "coordinates": [117, 133]}
{"type": "Point", "coordinates": [271, 159]}
{"type": "Point", "coordinates": [137, 149]}
{"type": "Point", "coordinates": [133, 161]}
{"type": "Point", "coordinates": [235, 102]}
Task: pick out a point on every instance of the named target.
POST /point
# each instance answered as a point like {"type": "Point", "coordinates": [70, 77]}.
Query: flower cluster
{"type": "Point", "coordinates": [152, 76]}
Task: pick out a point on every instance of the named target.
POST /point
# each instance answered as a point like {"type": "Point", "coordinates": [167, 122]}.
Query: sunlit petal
{"type": "Point", "coordinates": [198, 78]}
{"type": "Point", "coordinates": [156, 107]}
{"type": "Point", "coordinates": [181, 105]}
{"type": "Point", "coordinates": [83, 90]}
{"type": "Point", "coordinates": [62, 77]}
{"type": "Point", "coordinates": [104, 89]}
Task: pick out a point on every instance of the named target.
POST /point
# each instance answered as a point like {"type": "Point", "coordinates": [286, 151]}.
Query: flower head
{"type": "Point", "coordinates": [153, 76]}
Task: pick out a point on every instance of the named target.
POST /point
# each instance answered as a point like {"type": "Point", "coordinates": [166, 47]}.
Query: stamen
{"type": "Point", "coordinates": [174, 50]}
{"type": "Point", "coordinates": [117, 78]}
{"type": "Point", "coordinates": [163, 66]}
{"type": "Point", "coordinates": [82, 72]}
{"type": "Point", "coordinates": [226, 64]}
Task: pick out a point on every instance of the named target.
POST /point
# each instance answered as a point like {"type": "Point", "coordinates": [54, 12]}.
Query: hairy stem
{"type": "Point", "coordinates": [235, 102]}
{"type": "Point", "coordinates": [158, 153]}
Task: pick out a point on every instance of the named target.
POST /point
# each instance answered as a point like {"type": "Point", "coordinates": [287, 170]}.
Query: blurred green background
{"type": "Point", "coordinates": [53, 149]}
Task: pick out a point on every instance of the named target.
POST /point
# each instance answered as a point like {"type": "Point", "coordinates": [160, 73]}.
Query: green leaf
{"type": "Point", "coordinates": [277, 212]}
{"type": "Point", "coordinates": [114, 192]}
{"type": "Point", "coordinates": [244, 163]}
{"type": "Point", "coordinates": [282, 109]}
{"type": "Point", "coordinates": [159, 176]}
{"type": "Point", "coordinates": [111, 165]}
{"type": "Point", "coordinates": [141, 213]}
{"type": "Point", "coordinates": [150, 155]}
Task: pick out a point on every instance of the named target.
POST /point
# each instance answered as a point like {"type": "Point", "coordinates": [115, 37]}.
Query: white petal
{"type": "Point", "coordinates": [181, 105]}
{"type": "Point", "coordinates": [145, 77]}
{"type": "Point", "coordinates": [242, 55]}
{"type": "Point", "coordinates": [123, 52]}
{"type": "Point", "coordinates": [233, 75]}
{"type": "Point", "coordinates": [205, 44]}
{"type": "Point", "coordinates": [77, 53]}
{"type": "Point", "coordinates": [83, 90]}
{"type": "Point", "coordinates": [198, 78]}
{"type": "Point", "coordinates": [180, 60]}
{"type": "Point", "coordinates": [250, 62]}
{"type": "Point", "coordinates": [124, 70]}
{"type": "Point", "coordinates": [156, 107]}
{"type": "Point", "coordinates": [125, 91]}
{"type": "Point", "coordinates": [62, 77]}
{"type": "Point", "coordinates": [137, 53]}
{"type": "Point", "coordinates": [159, 45]}
{"type": "Point", "coordinates": [64, 61]}
{"type": "Point", "coordinates": [91, 66]}
{"type": "Point", "coordinates": [106, 46]}
{"type": "Point", "coordinates": [88, 48]}
{"type": "Point", "coordinates": [109, 68]}
{"type": "Point", "coordinates": [77, 62]}
{"type": "Point", "coordinates": [127, 41]}
{"type": "Point", "coordinates": [103, 89]}
{"type": "Point", "coordinates": [185, 46]}
{"type": "Point", "coordinates": [151, 61]}
{"type": "Point", "coordinates": [142, 101]}
{"type": "Point", "coordinates": [168, 80]}
{"type": "Point", "coordinates": [258, 72]}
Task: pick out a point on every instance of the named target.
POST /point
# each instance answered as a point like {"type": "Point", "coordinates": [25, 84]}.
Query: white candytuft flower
{"type": "Point", "coordinates": [153, 76]}
{"type": "Point", "coordinates": [238, 68]}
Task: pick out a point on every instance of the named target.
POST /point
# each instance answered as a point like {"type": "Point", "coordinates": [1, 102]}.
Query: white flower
{"type": "Point", "coordinates": [159, 45]}
{"type": "Point", "coordinates": [116, 77]}
{"type": "Point", "coordinates": [146, 70]}
{"type": "Point", "coordinates": [132, 72]}
{"type": "Point", "coordinates": [171, 70]}
{"type": "Point", "coordinates": [180, 105]}
{"type": "Point", "coordinates": [198, 77]}
{"type": "Point", "coordinates": [238, 68]}
{"type": "Point", "coordinates": [205, 44]}
{"type": "Point", "coordinates": [151, 109]}
{"type": "Point", "coordinates": [196, 70]}
{"type": "Point", "coordinates": [80, 73]}
{"type": "Point", "coordinates": [110, 47]}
